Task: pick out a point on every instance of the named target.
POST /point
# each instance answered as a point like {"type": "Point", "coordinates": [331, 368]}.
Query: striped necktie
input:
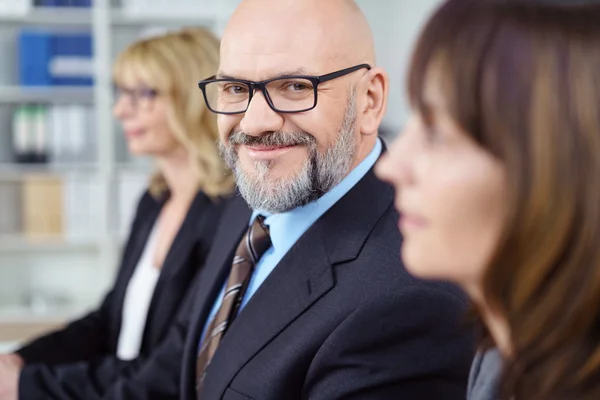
{"type": "Point", "coordinates": [253, 245]}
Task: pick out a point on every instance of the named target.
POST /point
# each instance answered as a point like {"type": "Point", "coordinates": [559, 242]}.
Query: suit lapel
{"type": "Point", "coordinates": [300, 279]}
{"type": "Point", "coordinates": [178, 255]}
{"type": "Point", "coordinates": [303, 276]}
{"type": "Point", "coordinates": [232, 226]}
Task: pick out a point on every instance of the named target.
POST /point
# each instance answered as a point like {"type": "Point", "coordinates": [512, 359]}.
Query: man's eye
{"type": "Point", "coordinates": [298, 86]}
{"type": "Point", "coordinates": [235, 89]}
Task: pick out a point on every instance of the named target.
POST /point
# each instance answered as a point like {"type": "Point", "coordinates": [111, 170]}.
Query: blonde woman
{"type": "Point", "coordinates": [163, 116]}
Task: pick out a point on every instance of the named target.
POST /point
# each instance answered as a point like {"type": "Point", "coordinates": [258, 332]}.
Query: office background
{"type": "Point", "coordinates": [67, 185]}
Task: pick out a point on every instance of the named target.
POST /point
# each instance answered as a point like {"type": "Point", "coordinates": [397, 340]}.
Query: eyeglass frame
{"type": "Point", "coordinates": [135, 94]}
{"type": "Point", "coordinates": [262, 86]}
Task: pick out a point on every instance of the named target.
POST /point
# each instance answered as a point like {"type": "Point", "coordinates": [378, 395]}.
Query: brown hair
{"type": "Point", "coordinates": [172, 64]}
{"type": "Point", "coordinates": [523, 80]}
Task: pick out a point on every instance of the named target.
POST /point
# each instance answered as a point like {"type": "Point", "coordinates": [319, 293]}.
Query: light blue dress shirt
{"type": "Point", "coordinates": [286, 228]}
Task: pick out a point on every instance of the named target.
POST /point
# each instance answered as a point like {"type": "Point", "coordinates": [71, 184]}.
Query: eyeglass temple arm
{"type": "Point", "coordinates": [337, 74]}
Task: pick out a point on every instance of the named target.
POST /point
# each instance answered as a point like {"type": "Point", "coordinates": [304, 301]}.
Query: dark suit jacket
{"type": "Point", "coordinates": [338, 318]}
{"type": "Point", "coordinates": [95, 336]}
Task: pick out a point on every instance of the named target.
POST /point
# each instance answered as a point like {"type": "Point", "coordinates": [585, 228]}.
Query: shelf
{"type": "Point", "coordinates": [20, 324]}
{"type": "Point", "coordinates": [25, 315]}
{"type": "Point", "coordinates": [83, 17]}
{"type": "Point", "coordinates": [50, 94]}
{"type": "Point", "coordinates": [21, 244]}
{"type": "Point", "coordinates": [10, 172]}
{"type": "Point", "coordinates": [74, 16]}
{"type": "Point", "coordinates": [124, 18]}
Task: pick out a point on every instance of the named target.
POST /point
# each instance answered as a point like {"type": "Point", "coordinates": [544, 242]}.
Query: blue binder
{"type": "Point", "coordinates": [74, 50]}
{"type": "Point", "coordinates": [55, 58]}
{"type": "Point", "coordinates": [63, 3]}
{"type": "Point", "coordinates": [49, 3]}
{"type": "Point", "coordinates": [35, 49]}
{"type": "Point", "coordinates": [76, 3]}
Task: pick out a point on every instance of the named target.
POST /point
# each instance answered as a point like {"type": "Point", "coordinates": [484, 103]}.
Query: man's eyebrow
{"type": "Point", "coordinates": [298, 71]}
{"type": "Point", "coordinates": [221, 75]}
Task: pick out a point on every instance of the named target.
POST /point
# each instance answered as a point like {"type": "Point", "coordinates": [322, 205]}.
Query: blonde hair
{"type": "Point", "coordinates": [172, 64]}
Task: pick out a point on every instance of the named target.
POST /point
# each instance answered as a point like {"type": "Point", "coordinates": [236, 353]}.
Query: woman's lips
{"type": "Point", "coordinates": [411, 222]}
{"type": "Point", "coordinates": [132, 133]}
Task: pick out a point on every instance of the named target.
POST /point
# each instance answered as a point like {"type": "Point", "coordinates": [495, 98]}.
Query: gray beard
{"type": "Point", "coordinates": [319, 173]}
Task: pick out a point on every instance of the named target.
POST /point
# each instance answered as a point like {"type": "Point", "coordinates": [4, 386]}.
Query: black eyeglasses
{"type": "Point", "coordinates": [285, 94]}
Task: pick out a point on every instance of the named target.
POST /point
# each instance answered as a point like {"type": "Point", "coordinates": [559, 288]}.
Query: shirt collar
{"type": "Point", "coordinates": [286, 228]}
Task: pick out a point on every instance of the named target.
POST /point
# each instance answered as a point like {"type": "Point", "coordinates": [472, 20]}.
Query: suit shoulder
{"type": "Point", "coordinates": [146, 203]}
{"type": "Point", "coordinates": [382, 268]}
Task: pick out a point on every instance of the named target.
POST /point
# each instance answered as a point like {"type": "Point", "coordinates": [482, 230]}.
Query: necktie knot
{"type": "Point", "coordinates": [259, 238]}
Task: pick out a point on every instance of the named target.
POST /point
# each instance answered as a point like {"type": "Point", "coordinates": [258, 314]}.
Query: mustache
{"type": "Point", "coordinates": [272, 139]}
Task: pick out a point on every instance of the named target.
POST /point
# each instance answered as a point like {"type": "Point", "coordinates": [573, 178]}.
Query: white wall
{"type": "Point", "coordinates": [395, 25]}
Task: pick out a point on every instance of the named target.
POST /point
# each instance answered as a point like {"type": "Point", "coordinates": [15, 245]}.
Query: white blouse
{"type": "Point", "coordinates": [137, 302]}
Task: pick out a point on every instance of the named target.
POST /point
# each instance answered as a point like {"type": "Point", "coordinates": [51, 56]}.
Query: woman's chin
{"type": "Point", "coordinates": [418, 264]}
{"type": "Point", "coordinates": [140, 150]}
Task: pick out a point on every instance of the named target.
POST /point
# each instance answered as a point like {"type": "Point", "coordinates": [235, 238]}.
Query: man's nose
{"type": "Point", "coordinates": [260, 117]}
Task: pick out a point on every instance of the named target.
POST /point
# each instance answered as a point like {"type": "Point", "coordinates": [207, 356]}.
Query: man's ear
{"type": "Point", "coordinates": [375, 104]}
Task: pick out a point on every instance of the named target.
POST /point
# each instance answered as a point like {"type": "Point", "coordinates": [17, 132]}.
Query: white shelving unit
{"type": "Point", "coordinates": [52, 16]}
{"type": "Point", "coordinates": [10, 171]}
{"type": "Point", "coordinates": [50, 244]}
{"type": "Point", "coordinates": [120, 18]}
{"type": "Point", "coordinates": [18, 94]}
{"type": "Point", "coordinates": [84, 17]}
{"type": "Point", "coordinates": [99, 255]}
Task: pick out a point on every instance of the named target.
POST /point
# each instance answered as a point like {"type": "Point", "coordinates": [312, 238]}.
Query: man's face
{"type": "Point", "coordinates": [282, 161]}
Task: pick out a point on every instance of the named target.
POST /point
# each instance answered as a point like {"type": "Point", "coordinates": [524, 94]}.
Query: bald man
{"type": "Point", "coordinates": [302, 295]}
{"type": "Point", "coordinates": [321, 307]}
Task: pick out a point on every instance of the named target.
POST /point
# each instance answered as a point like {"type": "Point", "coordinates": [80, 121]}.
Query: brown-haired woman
{"type": "Point", "coordinates": [498, 186]}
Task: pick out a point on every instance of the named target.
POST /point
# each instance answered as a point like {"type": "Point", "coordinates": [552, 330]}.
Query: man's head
{"type": "Point", "coordinates": [283, 160]}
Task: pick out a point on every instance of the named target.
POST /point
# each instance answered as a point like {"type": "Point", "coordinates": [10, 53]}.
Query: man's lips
{"type": "Point", "coordinates": [267, 148]}
{"type": "Point", "coordinates": [267, 152]}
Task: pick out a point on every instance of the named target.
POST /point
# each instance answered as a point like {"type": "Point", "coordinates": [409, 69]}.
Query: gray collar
{"type": "Point", "coordinates": [485, 375]}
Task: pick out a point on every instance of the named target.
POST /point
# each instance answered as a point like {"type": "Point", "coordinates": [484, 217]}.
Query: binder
{"type": "Point", "coordinates": [91, 135]}
{"type": "Point", "coordinates": [80, 3]}
{"type": "Point", "coordinates": [42, 207]}
{"type": "Point", "coordinates": [76, 126]}
{"type": "Point", "coordinates": [63, 59]}
{"type": "Point", "coordinates": [72, 59]}
{"type": "Point", "coordinates": [59, 148]}
{"type": "Point", "coordinates": [10, 198]}
{"type": "Point", "coordinates": [47, 3]}
{"type": "Point", "coordinates": [35, 49]}
{"type": "Point", "coordinates": [30, 138]}
{"type": "Point", "coordinates": [82, 196]}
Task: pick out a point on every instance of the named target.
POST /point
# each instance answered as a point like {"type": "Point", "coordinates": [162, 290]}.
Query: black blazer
{"type": "Point", "coordinates": [339, 318]}
{"type": "Point", "coordinates": [95, 336]}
